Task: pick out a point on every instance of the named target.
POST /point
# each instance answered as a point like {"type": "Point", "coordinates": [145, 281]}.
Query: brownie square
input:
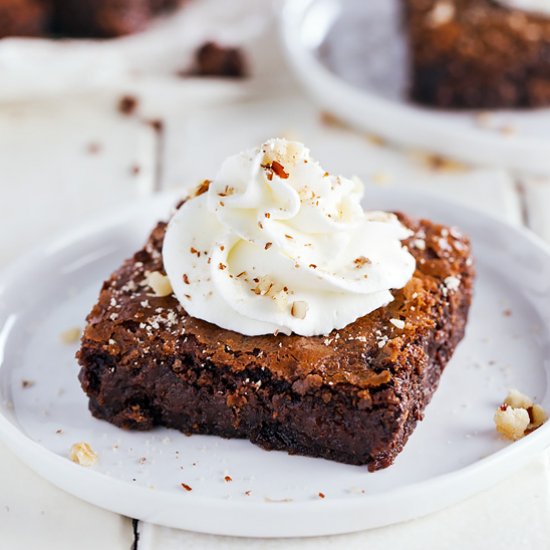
{"type": "Point", "coordinates": [352, 396]}
{"type": "Point", "coordinates": [477, 54]}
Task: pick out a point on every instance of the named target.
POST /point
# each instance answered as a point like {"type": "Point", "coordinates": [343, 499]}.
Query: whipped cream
{"type": "Point", "coordinates": [537, 6]}
{"type": "Point", "coordinates": [277, 244]}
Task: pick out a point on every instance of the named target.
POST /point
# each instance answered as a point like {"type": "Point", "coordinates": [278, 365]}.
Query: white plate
{"type": "Point", "coordinates": [352, 57]}
{"type": "Point", "coordinates": [453, 453]}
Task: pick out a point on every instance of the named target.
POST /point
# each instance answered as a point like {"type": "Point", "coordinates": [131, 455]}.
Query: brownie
{"type": "Point", "coordinates": [352, 396]}
{"type": "Point", "coordinates": [79, 18]}
{"type": "Point", "coordinates": [23, 17]}
{"type": "Point", "coordinates": [164, 5]}
{"type": "Point", "coordinates": [100, 18]}
{"type": "Point", "coordinates": [477, 54]}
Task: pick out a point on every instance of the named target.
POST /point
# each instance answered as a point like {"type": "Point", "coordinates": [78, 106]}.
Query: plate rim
{"type": "Point", "coordinates": [482, 473]}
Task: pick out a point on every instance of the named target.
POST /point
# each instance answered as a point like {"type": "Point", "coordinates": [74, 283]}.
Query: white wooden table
{"type": "Point", "coordinates": [68, 159]}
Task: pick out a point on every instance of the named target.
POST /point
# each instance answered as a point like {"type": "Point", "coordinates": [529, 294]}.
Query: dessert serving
{"type": "Point", "coordinates": [479, 53]}
{"type": "Point", "coordinates": [272, 307]}
{"type": "Point", "coordinates": [79, 18]}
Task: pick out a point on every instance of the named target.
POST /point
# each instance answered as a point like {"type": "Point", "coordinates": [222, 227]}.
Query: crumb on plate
{"type": "Point", "coordinates": [83, 454]}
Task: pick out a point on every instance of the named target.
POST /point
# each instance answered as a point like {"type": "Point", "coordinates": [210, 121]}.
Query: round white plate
{"type": "Point", "coordinates": [453, 453]}
{"type": "Point", "coordinates": [352, 56]}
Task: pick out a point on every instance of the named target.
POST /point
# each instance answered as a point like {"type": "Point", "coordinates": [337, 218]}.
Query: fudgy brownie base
{"type": "Point", "coordinates": [477, 54]}
{"type": "Point", "coordinates": [353, 396]}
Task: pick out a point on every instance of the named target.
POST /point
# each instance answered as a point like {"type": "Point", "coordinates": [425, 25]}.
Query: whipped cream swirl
{"type": "Point", "coordinates": [277, 244]}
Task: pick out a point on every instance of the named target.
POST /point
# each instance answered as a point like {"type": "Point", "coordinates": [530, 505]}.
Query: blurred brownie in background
{"type": "Point", "coordinates": [163, 5]}
{"type": "Point", "coordinates": [478, 54]}
{"type": "Point", "coordinates": [23, 17]}
{"type": "Point", "coordinates": [79, 18]}
{"type": "Point", "coordinates": [100, 18]}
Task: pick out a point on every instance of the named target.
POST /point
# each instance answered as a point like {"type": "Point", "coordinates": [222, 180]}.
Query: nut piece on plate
{"type": "Point", "coordinates": [518, 416]}
{"type": "Point", "coordinates": [83, 454]}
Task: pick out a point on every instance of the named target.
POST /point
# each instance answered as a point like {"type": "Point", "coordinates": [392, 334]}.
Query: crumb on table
{"type": "Point", "coordinates": [128, 104]}
{"type": "Point", "coordinates": [213, 59]}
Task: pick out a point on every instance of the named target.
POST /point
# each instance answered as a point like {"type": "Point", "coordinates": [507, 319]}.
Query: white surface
{"type": "Point", "coordinates": [452, 454]}
{"type": "Point", "coordinates": [536, 194]}
{"type": "Point", "coordinates": [368, 87]}
{"type": "Point", "coordinates": [49, 169]}
{"type": "Point", "coordinates": [35, 514]}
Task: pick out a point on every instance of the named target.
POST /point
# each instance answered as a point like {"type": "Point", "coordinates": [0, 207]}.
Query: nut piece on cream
{"type": "Point", "coordinates": [277, 244]}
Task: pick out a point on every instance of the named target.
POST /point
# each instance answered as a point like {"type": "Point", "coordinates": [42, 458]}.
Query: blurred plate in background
{"type": "Point", "coordinates": [352, 57]}
{"type": "Point", "coordinates": [34, 68]}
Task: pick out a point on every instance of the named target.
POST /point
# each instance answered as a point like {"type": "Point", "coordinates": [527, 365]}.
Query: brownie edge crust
{"type": "Point", "coordinates": [353, 396]}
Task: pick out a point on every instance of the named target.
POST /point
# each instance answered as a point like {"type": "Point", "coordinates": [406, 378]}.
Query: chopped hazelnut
{"type": "Point", "coordinates": [538, 417]}
{"type": "Point", "coordinates": [443, 12]}
{"type": "Point", "coordinates": [452, 283]}
{"type": "Point", "coordinates": [517, 399]}
{"type": "Point", "coordinates": [70, 336]}
{"type": "Point", "coordinates": [281, 300]}
{"type": "Point", "coordinates": [299, 309]}
{"type": "Point", "coordinates": [159, 284]}
{"type": "Point", "coordinates": [265, 284]}
{"type": "Point", "coordinates": [83, 454]}
{"type": "Point", "coordinates": [511, 422]}
{"type": "Point", "coordinates": [202, 188]}
{"type": "Point", "coordinates": [279, 169]}
{"type": "Point", "coordinates": [518, 416]}
{"type": "Point", "coordinates": [361, 261]}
